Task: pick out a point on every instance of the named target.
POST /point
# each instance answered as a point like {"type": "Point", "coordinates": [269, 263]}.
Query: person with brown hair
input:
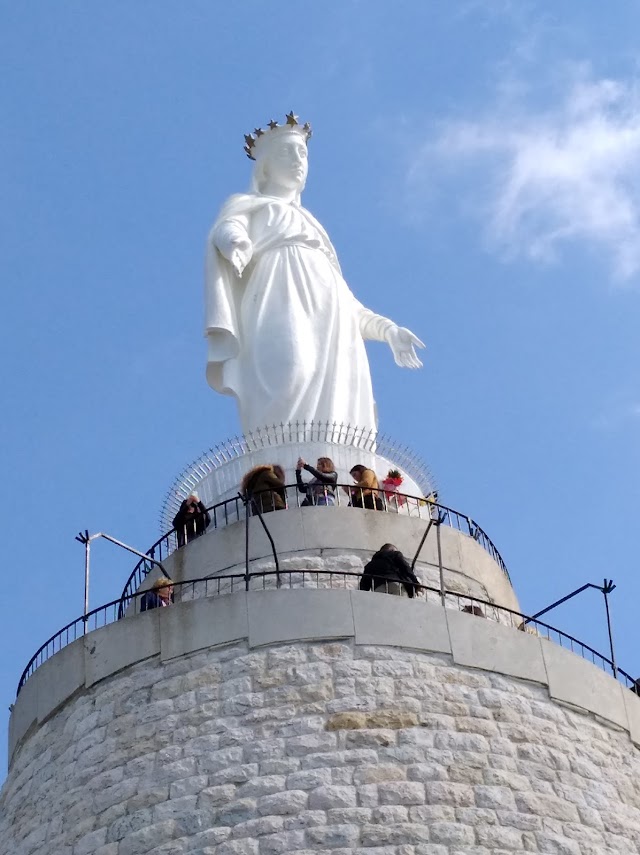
{"type": "Point", "coordinates": [321, 490]}
{"type": "Point", "coordinates": [367, 492]}
{"type": "Point", "coordinates": [264, 485]}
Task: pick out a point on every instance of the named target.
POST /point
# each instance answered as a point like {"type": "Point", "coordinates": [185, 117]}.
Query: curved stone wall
{"type": "Point", "coordinates": [389, 727]}
{"type": "Point", "coordinates": [344, 539]}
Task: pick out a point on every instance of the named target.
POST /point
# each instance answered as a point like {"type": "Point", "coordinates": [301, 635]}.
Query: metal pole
{"type": "Point", "coordinates": [440, 567]}
{"type": "Point", "coordinates": [131, 549]}
{"type": "Point", "coordinates": [87, 559]}
{"type": "Point", "coordinates": [273, 546]}
{"type": "Point", "coordinates": [562, 600]}
{"type": "Point", "coordinates": [424, 537]}
{"type": "Point", "coordinates": [608, 585]}
{"type": "Point", "coordinates": [606, 590]}
{"type": "Point", "coordinates": [245, 499]}
{"type": "Point", "coordinates": [85, 538]}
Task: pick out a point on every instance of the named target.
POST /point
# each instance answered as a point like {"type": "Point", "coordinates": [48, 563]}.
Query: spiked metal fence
{"type": "Point", "coordinates": [329, 433]}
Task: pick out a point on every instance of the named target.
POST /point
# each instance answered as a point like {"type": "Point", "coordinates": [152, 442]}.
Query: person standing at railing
{"type": "Point", "coordinates": [367, 492]}
{"type": "Point", "coordinates": [160, 595]}
{"type": "Point", "coordinates": [191, 520]}
{"type": "Point", "coordinates": [389, 572]}
{"type": "Point", "coordinates": [321, 490]}
{"type": "Point", "coordinates": [264, 485]}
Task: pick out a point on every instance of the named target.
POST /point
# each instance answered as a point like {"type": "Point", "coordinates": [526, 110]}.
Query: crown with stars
{"type": "Point", "coordinates": [291, 124]}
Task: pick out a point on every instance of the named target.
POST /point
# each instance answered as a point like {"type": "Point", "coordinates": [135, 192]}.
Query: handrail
{"type": "Point", "coordinates": [231, 510]}
{"type": "Point", "coordinates": [236, 582]}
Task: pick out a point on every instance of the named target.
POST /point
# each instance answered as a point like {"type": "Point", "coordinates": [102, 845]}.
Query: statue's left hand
{"type": "Point", "coordinates": [403, 344]}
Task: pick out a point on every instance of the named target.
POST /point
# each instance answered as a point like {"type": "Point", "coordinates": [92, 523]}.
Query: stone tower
{"type": "Point", "coordinates": [292, 713]}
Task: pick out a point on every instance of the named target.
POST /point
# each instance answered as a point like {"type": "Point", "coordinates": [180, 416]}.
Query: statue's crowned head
{"type": "Point", "coordinates": [260, 139]}
{"type": "Point", "coordinates": [280, 154]}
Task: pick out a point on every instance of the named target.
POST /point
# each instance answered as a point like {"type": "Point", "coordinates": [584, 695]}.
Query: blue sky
{"type": "Point", "coordinates": [477, 167]}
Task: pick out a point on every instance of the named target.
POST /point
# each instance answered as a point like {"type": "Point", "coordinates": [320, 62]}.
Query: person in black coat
{"type": "Point", "coordinates": [389, 572]}
{"type": "Point", "coordinates": [191, 520]}
{"type": "Point", "coordinates": [321, 490]}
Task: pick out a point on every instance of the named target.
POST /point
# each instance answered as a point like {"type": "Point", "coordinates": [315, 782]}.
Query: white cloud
{"type": "Point", "coordinates": [551, 177]}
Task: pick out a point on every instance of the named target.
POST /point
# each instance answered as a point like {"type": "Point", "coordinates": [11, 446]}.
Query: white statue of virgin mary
{"type": "Point", "coordinates": [285, 333]}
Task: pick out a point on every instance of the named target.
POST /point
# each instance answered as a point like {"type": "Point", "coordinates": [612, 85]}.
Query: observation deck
{"type": "Point", "coordinates": [230, 589]}
{"type": "Point", "coordinates": [302, 610]}
{"type": "Point", "coordinates": [296, 578]}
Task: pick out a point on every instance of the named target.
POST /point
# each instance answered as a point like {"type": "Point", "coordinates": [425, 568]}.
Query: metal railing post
{"type": "Point", "coordinates": [607, 588]}
{"type": "Point", "coordinates": [87, 560]}
{"type": "Point", "coordinates": [421, 544]}
{"type": "Point", "coordinates": [246, 500]}
{"type": "Point", "coordinates": [83, 537]}
{"type": "Point", "coordinates": [443, 595]}
{"type": "Point", "coordinates": [271, 541]}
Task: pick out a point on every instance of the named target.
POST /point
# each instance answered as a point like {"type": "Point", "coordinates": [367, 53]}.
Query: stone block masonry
{"type": "Point", "coordinates": [319, 747]}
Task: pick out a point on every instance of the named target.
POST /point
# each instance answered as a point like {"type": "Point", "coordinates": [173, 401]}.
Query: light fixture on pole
{"type": "Point", "coordinates": [85, 538]}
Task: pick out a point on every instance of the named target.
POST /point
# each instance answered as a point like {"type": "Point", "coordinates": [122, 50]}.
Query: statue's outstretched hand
{"type": "Point", "coordinates": [240, 255]}
{"type": "Point", "coordinates": [403, 344]}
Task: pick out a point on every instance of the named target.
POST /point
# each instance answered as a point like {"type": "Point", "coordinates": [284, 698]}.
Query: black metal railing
{"type": "Point", "coordinates": [385, 500]}
{"type": "Point", "coordinates": [215, 586]}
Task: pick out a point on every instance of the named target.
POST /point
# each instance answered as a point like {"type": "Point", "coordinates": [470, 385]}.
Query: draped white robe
{"type": "Point", "coordinates": [286, 338]}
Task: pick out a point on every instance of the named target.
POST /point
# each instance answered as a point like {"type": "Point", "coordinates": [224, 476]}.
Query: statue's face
{"type": "Point", "coordinates": [286, 163]}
